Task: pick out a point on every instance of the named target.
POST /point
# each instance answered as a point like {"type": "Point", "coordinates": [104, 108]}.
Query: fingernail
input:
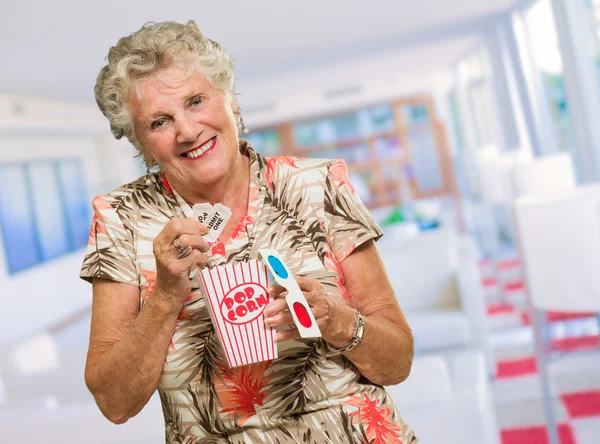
{"type": "Point", "coordinates": [268, 321]}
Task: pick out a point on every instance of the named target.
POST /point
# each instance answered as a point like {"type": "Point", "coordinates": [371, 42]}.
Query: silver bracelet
{"type": "Point", "coordinates": [359, 333]}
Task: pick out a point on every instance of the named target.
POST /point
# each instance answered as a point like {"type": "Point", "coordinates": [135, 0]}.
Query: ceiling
{"type": "Point", "coordinates": [55, 49]}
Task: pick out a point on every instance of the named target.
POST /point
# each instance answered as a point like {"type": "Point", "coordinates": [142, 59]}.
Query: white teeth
{"type": "Point", "coordinates": [204, 148]}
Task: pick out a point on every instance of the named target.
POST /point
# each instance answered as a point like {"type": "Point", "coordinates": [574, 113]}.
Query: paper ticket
{"type": "Point", "coordinates": [216, 221]}
{"type": "Point", "coordinates": [202, 211]}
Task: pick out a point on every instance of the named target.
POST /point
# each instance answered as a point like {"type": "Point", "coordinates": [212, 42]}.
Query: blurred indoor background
{"type": "Point", "coordinates": [471, 130]}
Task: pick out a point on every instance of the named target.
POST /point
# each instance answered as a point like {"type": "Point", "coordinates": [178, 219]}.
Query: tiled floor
{"type": "Point", "coordinates": [574, 366]}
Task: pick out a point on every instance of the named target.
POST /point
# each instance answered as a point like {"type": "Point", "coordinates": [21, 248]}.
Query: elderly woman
{"type": "Point", "coordinates": [169, 90]}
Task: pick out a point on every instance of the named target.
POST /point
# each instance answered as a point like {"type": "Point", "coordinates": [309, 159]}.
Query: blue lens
{"type": "Point", "coordinates": [277, 267]}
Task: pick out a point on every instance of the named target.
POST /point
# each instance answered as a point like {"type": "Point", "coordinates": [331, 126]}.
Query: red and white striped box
{"type": "Point", "coordinates": [236, 296]}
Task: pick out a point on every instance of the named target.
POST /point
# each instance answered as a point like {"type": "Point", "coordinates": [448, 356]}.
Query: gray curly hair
{"type": "Point", "coordinates": [143, 54]}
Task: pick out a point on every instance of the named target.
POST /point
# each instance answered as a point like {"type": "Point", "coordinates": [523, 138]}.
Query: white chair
{"type": "Point", "coordinates": [559, 240]}
{"type": "Point", "coordinates": [547, 174]}
{"type": "Point", "coordinates": [505, 176]}
{"type": "Point", "coordinates": [510, 174]}
{"type": "Point", "coordinates": [559, 237]}
{"type": "Point", "coordinates": [436, 279]}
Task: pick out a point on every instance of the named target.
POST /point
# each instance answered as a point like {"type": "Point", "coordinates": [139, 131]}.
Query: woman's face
{"type": "Point", "coordinates": [188, 127]}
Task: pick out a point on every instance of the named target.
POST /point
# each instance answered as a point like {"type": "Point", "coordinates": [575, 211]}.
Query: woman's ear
{"type": "Point", "coordinates": [234, 105]}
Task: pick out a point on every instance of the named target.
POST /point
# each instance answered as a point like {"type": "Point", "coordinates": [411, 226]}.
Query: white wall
{"type": "Point", "coordinates": [31, 129]}
{"type": "Point", "coordinates": [39, 298]}
{"type": "Point", "coordinates": [350, 84]}
{"type": "Point", "coordinates": [34, 114]}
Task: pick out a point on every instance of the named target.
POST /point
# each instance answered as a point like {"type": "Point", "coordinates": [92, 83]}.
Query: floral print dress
{"type": "Point", "coordinates": [305, 209]}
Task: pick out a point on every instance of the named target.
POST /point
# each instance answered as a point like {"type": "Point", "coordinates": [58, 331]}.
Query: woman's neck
{"type": "Point", "coordinates": [231, 190]}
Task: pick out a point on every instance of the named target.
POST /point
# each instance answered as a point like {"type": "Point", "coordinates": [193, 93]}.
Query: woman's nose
{"type": "Point", "coordinates": [187, 131]}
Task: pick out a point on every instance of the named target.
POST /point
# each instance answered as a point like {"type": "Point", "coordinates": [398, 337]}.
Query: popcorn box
{"type": "Point", "coordinates": [236, 296]}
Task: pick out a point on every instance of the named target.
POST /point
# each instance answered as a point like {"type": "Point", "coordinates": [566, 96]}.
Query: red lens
{"type": "Point", "coordinates": [302, 314]}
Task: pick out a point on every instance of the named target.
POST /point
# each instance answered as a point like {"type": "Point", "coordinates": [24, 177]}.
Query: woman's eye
{"type": "Point", "coordinates": [196, 101]}
{"type": "Point", "coordinates": [157, 124]}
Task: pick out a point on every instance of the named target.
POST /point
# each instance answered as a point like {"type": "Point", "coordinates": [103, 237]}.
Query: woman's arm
{"type": "Point", "coordinates": [385, 354]}
{"type": "Point", "coordinates": [128, 346]}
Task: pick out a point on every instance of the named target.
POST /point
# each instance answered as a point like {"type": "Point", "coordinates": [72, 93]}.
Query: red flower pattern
{"type": "Point", "coordinates": [333, 265]}
{"type": "Point", "coordinates": [147, 290]}
{"type": "Point", "coordinates": [97, 226]}
{"type": "Point", "coordinates": [242, 389]}
{"type": "Point", "coordinates": [379, 430]}
{"type": "Point", "coordinates": [339, 170]}
{"type": "Point", "coordinates": [166, 184]}
{"type": "Point", "coordinates": [100, 203]}
{"type": "Point", "coordinates": [273, 162]}
{"type": "Point", "coordinates": [217, 249]}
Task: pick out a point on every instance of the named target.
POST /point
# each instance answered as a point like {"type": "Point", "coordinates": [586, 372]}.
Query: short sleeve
{"type": "Point", "coordinates": [348, 221]}
{"type": "Point", "coordinates": [110, 252]}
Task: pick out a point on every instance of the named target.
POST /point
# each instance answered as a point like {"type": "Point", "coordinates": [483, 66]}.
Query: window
{"type": "Point", "coordinates": [75, 201]}
{"type": "Point", "coordinates": [539, 43]}
{"type": "Point", "coordinates": [16, 218]}
{"type": "Point", "coordinates": [456, 129]}
{"type": "Point", "coordinates": [43, 211]}
{"type": "Point", "coordinates": [474, 70]}
{"type": "Point", "coordinates": [594, 21]}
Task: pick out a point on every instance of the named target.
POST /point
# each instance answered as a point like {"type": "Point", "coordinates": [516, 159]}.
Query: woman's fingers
{"type": "Point", "coordinates": [178, 226]}
{"type": "Point", "coordinates": [179, 248]}
{"type": "Point", "coordinates": [277, 291]}
{"type": "Point", "coordinates": [306, 285]}
{"type": "Point", "coordinates": [193, 240]}
{"type": "Point", "coordinates": [286, 335]}
{"type": "Point", "coordinates": [275, 307]}
{"type": "Point", "coordinates": [282, 318]}
{"type": "Point", "coordinates": [277, 313]}
{"type": "Point", "coordinates": [176, 236]}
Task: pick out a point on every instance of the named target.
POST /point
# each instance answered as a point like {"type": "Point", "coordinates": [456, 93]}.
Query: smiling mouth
{"type": "Point", "coordinates": [209, 144]}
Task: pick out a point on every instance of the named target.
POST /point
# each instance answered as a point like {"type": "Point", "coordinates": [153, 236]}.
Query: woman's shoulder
{"type": "Point", "coordinates": [298, 164]}
{"type": "Point", "coordinates": [127, 195]}
{"type": "Point", "coordinates": [294, 164]}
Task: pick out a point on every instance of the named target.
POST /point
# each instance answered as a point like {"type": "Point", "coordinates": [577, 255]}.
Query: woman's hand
{"type": "Point", "coordinates": [173, 271]}
{"type": "Point", "coordinates": [335, 319]}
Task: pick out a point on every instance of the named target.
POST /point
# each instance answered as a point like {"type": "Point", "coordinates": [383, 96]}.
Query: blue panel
{"type": "Point", "coordinates": [16, 220]}
{"type": "Point", "coordinates": [278, 267]}
{"type": "Point", "coordinates": [49, 214]}
{"type": "Point", "coordinates": [75, 201]}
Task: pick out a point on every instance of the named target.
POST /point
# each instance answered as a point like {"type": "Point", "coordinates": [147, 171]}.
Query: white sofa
{"type": "Point", "coordinates": [448, 399]}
